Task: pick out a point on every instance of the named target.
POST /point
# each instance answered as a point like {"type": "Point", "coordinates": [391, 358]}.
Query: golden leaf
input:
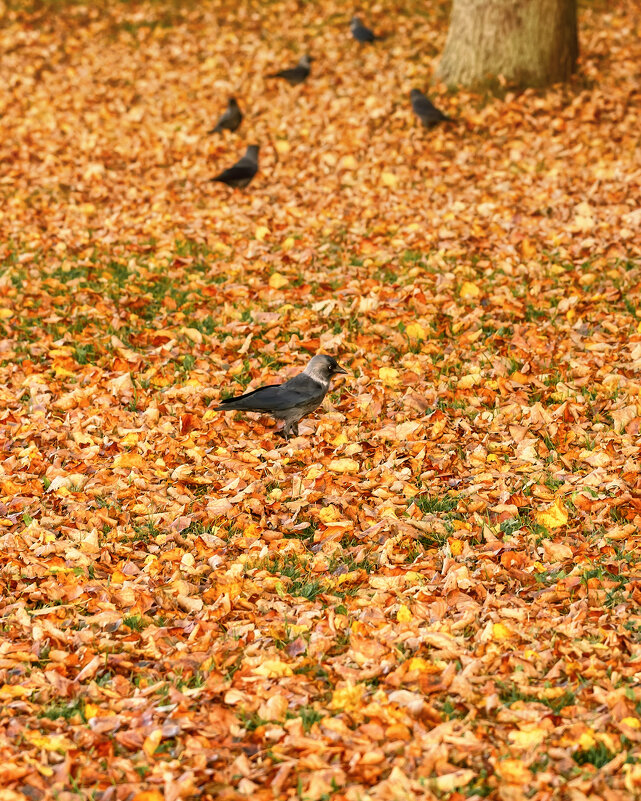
{"type": "Point", "coordinates": [469, 290]}
{"type": "Point", "coordinates": [554, 516]}
{"type": "Point", "coordinates": [389, 179]}
{"type": "Point", "coordinates": [343, 466]}
{"type": "Point", "coordinates": [151, 743]}
{"type": "Point", "coordinates": [273, 669]}
{"type": "Point", "coordinates": [513, 771]}
{"type": "Point", "coordinates": [527, 739]}
{"type": "Point", "coordinates": [501, 632]}
{"type": "Point", "coordinates": [277, 281]}
{"type": "Point", "coordinates": [388, 375]}
{"type": "Point", "coordinates": [416, 331]}
{"type": "Point", "coordinates": [347, 698]}
{"type": "Point", "coordinates": [14, 691]}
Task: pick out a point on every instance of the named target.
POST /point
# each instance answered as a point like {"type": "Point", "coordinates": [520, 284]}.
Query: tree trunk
{"type": "Point", "coordinates": [527, 42]}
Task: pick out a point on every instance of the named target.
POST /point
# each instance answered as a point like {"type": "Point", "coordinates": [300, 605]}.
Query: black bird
{"type": "Point", "coordinates": [360, 32]}
{"type": "Point", "coordinates": [425, 110]}
{"type": "Point", "coordinates": [230, 119]}
{"type": "Point", "coordinates": [297, 74]}
{"type": "Point", "coordinates": [292, 400]}
{"type": "Point", "coordinates": [243, 170]}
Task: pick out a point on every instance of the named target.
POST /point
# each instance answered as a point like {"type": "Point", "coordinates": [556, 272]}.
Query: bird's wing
{"type": "Point", "coordinates": [422, 105]}
{"type": "Point", "coordinates": [290, 72]}
{"type": "Point", "coordinates": [220, 124]}
{"type": "Point", "coordinates": [366, 34]}
{"type": "Point", "coordinates": [260, 399]}
{"type": "Point", "coordinates": [245, 168]}
{"type": "Point", "coordinates": [277, 397]}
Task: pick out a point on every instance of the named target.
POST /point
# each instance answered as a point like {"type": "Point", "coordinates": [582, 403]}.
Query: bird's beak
{"type": "Point", "coordinates": [338, 369]}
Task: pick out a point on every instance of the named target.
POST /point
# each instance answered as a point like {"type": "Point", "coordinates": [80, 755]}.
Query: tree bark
{"type": "Point", "coordinates": [527, 42]}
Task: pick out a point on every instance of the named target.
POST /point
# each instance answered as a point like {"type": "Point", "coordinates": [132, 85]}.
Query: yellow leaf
{"type": "Point", "coordinates": [289, 243]}
{"type": "Point", "coordinates": [62, 372]}
{"type": "Point", "coordinates": [586, 740]}
{"type": "Point", "coordinates": [469, 290]}
{"type": "Point", "coordinates": [130, 439]}
{"type": "Point", "coordinates": [340, 439]}
{"type": "Point", "coordinates": [456, 546]}
{"type": "Point", "coordinates": [277, 281]}
{"type": "Point", "coordinates": [416, 331]}
{"type": "Point", "coordinates": [273, 669]}
{"type": "Point", "coordinates": [149, 795]}
{"type": "Point", "coordinates": [14, 691]}
{"type": "Point", "coordinates": [501, 632]}
{"type": "Point", "coordinates": [633, 723]}
{"type": "Point", "coordinates": [468, 381]}
{"type": "Point", "coordinates": [283, 146]}
{"type": "Point", "coordinates": [403, 615]}
{"type": "Point", "coordinates": [92, 710]}
{"type": "Point", "coordinates": [554, 516]}
{"type": "Point", "coordinates": [513, 771]}
{"type": "Point", "coordinates": [347, 698]}
{"type": "Point", "coordinates": [5, 314]}
{"type": "Point", "coordinates": [329, 513]}
{"type": "Point", "coordinates": [388, 375]}
{"type": "Point", "coordinates": [527, 739]}
{"type": "Point", "coordinates": [131, 459]}
{"type": "Point", "coordinates": [451, 781]}
{"type": "Point", "coordinates": [418, 663]}
{"type": "Point", "coordinates": [343, 466]}
{"type": "Point", "coordinates": [349, 163]}
{"type": "Point", "coordinates": [152, 741]}
{"type": "Point", "coordinates": [50, 742]}
{"type": "Point", "coordinates": [389, 179]}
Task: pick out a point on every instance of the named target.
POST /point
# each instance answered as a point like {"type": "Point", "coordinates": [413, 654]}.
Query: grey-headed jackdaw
{"type": "Point", "coordinates": [292, 400]}
{"type": "Point", "coordinates": [297, 74]}
{"type": "Point", "coordinates": [362, 33]}
{"type": "Point", "coordinates": [230, 119]}
{"type": "Point", "coordinates": [425, 110]}
{"type": "Point", "coordinates": [242, 171]}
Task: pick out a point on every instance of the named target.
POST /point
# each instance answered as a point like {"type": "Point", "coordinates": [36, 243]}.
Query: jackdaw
{"type": "Point", "coordinates": [243, 170]}
{"type": "Point", "coordinates": [297, 74]}
{"type": "Point", "coordinates": [360, 32]}
{"type": "Point", "coordinates": [292, 400]}
{"type": "Point", "coordinates": [230, 119]}
{"type": "Point", "coordinates": [425, 110]}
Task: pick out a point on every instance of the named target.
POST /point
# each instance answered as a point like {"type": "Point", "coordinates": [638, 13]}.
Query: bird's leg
{"type": "Point", "coordinates": [295, 429]}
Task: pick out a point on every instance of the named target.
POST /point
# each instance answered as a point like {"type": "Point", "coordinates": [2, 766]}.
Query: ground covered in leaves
{"type": "Point", "coordinates": [434, 591]}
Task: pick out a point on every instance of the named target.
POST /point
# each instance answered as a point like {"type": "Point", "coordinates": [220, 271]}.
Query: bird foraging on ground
{"type": "Point", "coordinates": [242, 171]}
{"type": "Point", "coordinates": [230, 119]}
{"type": "Point", "coordinates": [425, 110]}
{"type": "Point", "coordinates": [362, 33]}
{"type": "Point", "coordinates": [297, 74]}
{"type": "Point", "coordinates": [292, 400]}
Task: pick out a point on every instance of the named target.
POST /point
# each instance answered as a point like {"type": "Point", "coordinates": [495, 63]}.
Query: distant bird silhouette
{"type": "Point", "coordinates": [230, 119]}
{"type": "Point", "coordinates": [292, 400]}
{"type": "Point", "coordinates": [425, 110]}
{"type": "Point", "coordinates": [360, 32]}
{"type": "Point", "coordinates": [242, 171]}
{"type": "Point", "coordinates": [297, 74]}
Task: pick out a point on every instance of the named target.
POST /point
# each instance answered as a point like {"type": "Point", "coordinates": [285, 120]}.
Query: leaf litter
{"type": "Point", "coordinates": [434, 593]}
